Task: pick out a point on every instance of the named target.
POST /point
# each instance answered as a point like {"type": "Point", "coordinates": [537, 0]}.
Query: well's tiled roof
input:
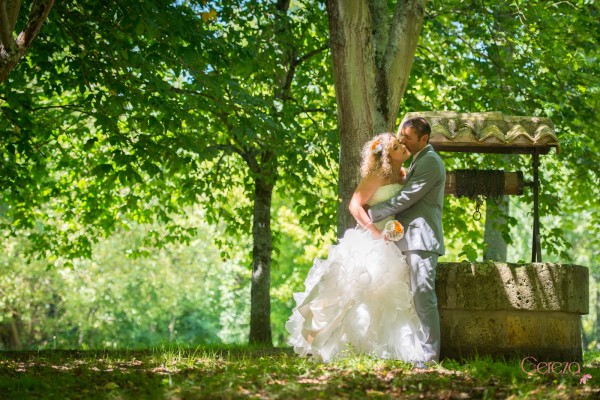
{"type": "Point", "coordinates": [488, 132]}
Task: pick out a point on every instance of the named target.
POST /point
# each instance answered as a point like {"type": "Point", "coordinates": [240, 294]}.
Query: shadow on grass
{"type": "Point", "coordinates": [77, 375]}
{"type": "Point", "coordinates": [227, 372]}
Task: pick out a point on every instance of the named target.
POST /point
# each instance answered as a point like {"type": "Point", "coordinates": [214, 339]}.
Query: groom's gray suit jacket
{"type": "Point", "coordinates": [418, 206]}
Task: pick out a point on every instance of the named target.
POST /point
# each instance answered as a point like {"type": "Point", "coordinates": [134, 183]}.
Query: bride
{"type": "Point", "coordinates": [358, 300]}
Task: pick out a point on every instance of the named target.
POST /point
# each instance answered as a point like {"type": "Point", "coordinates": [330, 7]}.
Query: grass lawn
{"type": "Point", "coordinates": [246, 372]}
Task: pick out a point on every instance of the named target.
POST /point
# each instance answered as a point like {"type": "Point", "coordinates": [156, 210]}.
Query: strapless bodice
{"type": "Point", "coordinates": [384, 193]}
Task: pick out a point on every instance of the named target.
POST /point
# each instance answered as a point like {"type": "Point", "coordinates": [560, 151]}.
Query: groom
{"type": "Point", "coordinates": [418, 207]}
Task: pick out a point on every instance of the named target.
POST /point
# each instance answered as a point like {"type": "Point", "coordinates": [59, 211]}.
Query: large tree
{"type": "Point", "coordinates": [373, 43]}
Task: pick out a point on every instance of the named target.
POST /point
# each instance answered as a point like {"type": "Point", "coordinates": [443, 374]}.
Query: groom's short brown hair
{"type": "Point", "coordinates": [420, 125]}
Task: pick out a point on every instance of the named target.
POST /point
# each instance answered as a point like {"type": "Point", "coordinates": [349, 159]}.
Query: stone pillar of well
{"type": "Point", "coordinates": [512, 310]}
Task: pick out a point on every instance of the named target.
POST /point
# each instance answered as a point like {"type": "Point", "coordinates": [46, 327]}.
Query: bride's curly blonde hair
{"type": "Point", "coordinates": [376, 157]}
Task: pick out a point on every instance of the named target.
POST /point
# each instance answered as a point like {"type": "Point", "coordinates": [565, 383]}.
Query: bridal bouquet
{"type": "Point", "coordinates": [393, 231]}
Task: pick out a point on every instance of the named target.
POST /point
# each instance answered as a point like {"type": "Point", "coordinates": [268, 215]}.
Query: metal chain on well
{"type": "Point", "coordinates": [477, 185]}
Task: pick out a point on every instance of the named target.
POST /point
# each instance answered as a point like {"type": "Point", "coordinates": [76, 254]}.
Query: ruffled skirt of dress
{"type": "Point", "coordinates": [357, 301]}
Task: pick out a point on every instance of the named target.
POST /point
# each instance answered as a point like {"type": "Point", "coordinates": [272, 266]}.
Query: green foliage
{"type": "Point", "coordinates": [291, 263]}
{"type": "Point", "coordinates": [137, 110]}
{"type": "Point", "coordinates": [183, 294]}
{"type": "Point", "coordinates": [133, 294]}
{"type": "Point", "coordinates": [520, 58]}
{"type": "Point", "coordinates": [134, 111]}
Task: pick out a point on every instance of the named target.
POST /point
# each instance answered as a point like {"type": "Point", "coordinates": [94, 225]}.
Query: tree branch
{"type": "Point", "coordinates": [64, 106]}
{"type": "Point", "coordinates": [409, 14]}
{"type": "Point", "coordinates": [312, 110]}
{"type": "Point", "coordinates": [392, 75]}
{"type": "Point", "coordinates": [37, 16]}
{"type": "Point", "coordinates": [283, 5]}
{"type": "Point", "coordinates": [225, 148]}
{"type": "Point", "coordinates": [251, 160]}
{"type": "Point", "coordinates": [14, 6]}
{"type": "Point", "coordinates": [381, 29]}
{"type": "Point", "coordinates": [5, 32]}
{"type": "Point", "coordinates": [289, 78]}
{"type": "Point", "coordinates": [11, 56]}
{"type": "Point", "coordinates": [310, 54]}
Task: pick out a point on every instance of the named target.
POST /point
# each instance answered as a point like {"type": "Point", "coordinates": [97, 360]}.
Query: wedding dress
{"type": "Point", "coordinates": [358, 301]}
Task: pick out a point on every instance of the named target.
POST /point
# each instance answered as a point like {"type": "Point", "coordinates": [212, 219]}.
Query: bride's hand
{"type": "Point", "coordinates": [377, 233]}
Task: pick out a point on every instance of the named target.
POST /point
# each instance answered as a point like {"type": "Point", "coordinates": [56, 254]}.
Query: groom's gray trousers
{"type": "Point", "coordinates": [422, 266]}
{"type": "Point", "coordinates": [418, 207]}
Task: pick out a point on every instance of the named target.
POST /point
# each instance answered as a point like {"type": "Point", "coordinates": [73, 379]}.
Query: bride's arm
{"type": "Point", "coordinates": [402, 176]}
{"type": "Point", "coordinates": [364, 191]}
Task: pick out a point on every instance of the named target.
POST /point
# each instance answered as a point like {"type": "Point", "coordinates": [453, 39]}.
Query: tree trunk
{"type": "Point", "coordinates": [495, 225]}
{"type": "Point", "coordinates": [10, 338]}
{"type": "Point", "coordinates": [260, 299]}
{"type": "Point", "coordinates": [372, 54]}
{"type": "Point", "coordinates": [172, 327]}
{"type": "Point", "coordinates": [353, 75]}
{"type": "Point", "coordinates": [495, 247]}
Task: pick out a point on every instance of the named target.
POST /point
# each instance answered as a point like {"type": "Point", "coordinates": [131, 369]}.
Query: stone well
{"type": "Point", "coordinates": [512, 310]}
